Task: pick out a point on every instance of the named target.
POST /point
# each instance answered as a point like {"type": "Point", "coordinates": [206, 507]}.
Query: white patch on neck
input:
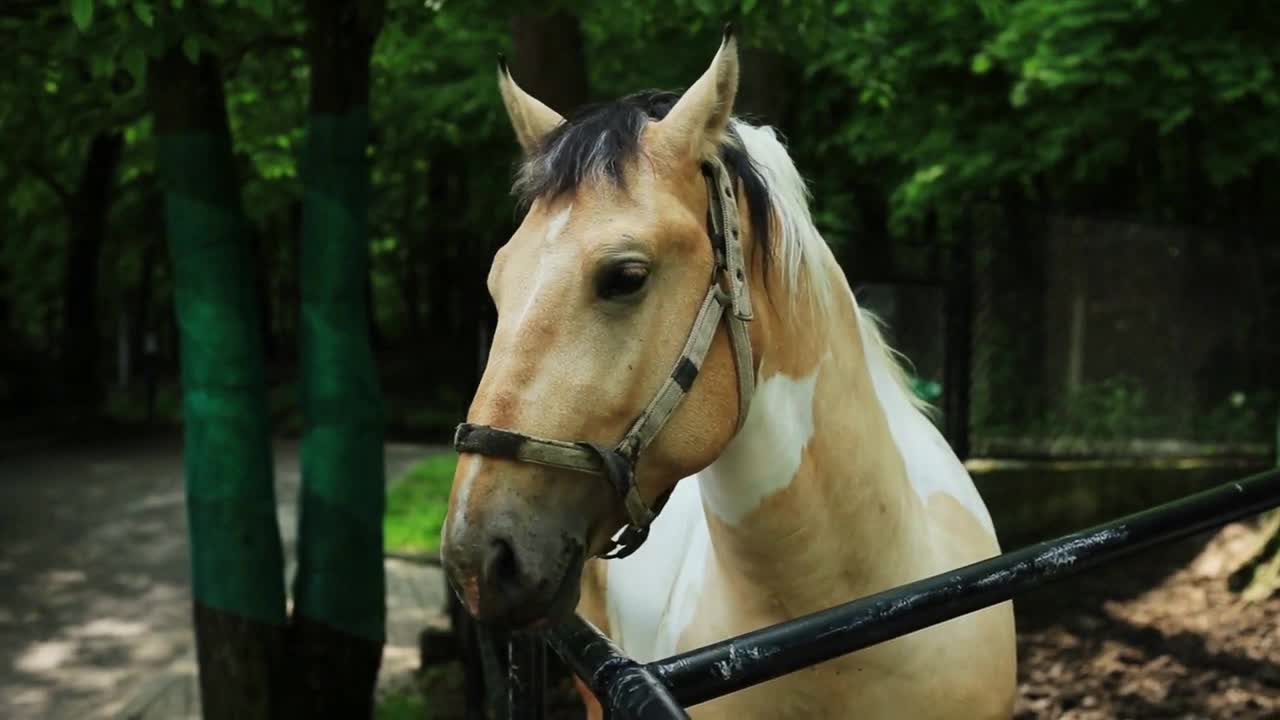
{"type": "Point", "coordinates": [931, 464]}
{"type": "Point", "coordinates": [764, 456]}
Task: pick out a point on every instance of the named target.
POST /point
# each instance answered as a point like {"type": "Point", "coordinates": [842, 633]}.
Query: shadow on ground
{"type": "Point", "coordinates": [94, 583]}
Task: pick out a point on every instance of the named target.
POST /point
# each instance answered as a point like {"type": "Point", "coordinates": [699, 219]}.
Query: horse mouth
{"type": "Point", "coordinates": [564, 600]}
{"type": "Point", "coordinates": [559, 599]}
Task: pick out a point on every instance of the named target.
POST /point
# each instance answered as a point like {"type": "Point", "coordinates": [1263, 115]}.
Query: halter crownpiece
{"type": "Point", "coordinates": [728, 297]}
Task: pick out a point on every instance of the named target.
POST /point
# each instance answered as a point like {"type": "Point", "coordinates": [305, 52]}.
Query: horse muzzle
{"type": "Point", "coordinates": [514, 572]}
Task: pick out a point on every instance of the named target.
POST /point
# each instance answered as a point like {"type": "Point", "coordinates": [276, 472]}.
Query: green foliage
{"type": "Point", "coordinates": [1157, 109]}
{"type": "Point", "coordinates": [82, 13]}
{"type": "Point", "coordinates": [927, 389]}
{"type": "Point", "coordinates": [408, 704]}
{"type": "Point", "coordinates": [1115, 409]}
{"type": "Point", "coordinates": [1120, 408]}
{"type": "Point", "coordinates": [416, 505]}
{"type": "Point", "coordinates": [1240, 417]}
{"type": "Point", "coordinates": [437, 692]}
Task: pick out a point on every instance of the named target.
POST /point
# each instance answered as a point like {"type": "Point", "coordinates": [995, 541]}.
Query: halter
{"type": "Point", "coordinates": [728, 291]}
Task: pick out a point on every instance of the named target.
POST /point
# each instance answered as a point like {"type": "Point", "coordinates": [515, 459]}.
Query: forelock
{"type": "Point", "coordinates": [594, 145]}
{"type": "Point", "coordinates": [597, 143]}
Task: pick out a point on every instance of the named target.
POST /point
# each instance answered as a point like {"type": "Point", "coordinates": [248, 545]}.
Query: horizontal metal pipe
{"type": "Point", "coordinates": [626, 689]}
{"type": "Point", "coordinates": [756, 657]}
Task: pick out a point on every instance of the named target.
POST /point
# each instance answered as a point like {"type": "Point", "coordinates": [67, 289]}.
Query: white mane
{"type": "Point", "coordinates": [802, 251]}
{"type": "Point", "coordinates": [799, 246]}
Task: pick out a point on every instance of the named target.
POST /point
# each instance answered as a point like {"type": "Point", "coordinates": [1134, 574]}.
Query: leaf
{"type": "Point", "coordinates": [145, 13]}
{"type": "Point", "coordinates": [135, 62]}
{"type": "Point", "coordinates": [265, 8]}
{"type": "Point", "coordinates": [748, 6]}
{"type": "Point", "coordinates": [981, 64]}
{"type": "Point", "coordinates": [82, 13]}
{"type": "Point", "coordinates": [191, 48]}
{"type": "Point", "coordinates": [1175, 119]}
{"type": "Point", "coordinates": [102, 65]}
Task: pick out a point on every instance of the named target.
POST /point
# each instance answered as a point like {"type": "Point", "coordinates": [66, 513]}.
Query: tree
{"type": "Point", "coordinates": [337, 627]}
{"type": "Point", "coordinates": [547, 52]}
{"type": "Point", "coordinates": [236, 555]}
{"type": "Point", "coordinates": [87, 212]}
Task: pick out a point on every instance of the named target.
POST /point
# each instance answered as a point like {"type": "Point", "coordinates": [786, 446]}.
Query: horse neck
{"type": "Point", "coordinates": [810, 502]}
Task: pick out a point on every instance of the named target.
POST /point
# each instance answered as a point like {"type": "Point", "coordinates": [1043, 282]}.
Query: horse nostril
{"type": "Point", "coordinates": [502, 568]}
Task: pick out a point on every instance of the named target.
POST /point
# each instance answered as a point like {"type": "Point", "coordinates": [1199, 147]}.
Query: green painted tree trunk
{"type": "Point", "coordinates": [236, 558]}
{"type": "Point", "coordinates": [337, 629]}
{"type": "Point", "coordinates": [88, 208]}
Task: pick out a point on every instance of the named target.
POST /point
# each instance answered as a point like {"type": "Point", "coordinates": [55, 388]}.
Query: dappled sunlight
{"type": "Point", "coordinates": [96, 574]}
{"type": "Point", "coordinates": [109, 628]}
{"type": "Point", "coordinates": [45, 656]}
{"type": "Point", "coordinates": [95, 615]}
{"type": "Point", "coordinates": [62, 579]}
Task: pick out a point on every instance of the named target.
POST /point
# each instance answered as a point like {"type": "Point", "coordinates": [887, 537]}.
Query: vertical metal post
{"type": "Point", "coordinates": [526, 676]}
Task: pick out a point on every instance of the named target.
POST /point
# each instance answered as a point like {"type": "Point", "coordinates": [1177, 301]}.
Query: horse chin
{"type": "Point", "coordinates": [559, 607]}
{"type": "Point", "coordinates": [563, 603]}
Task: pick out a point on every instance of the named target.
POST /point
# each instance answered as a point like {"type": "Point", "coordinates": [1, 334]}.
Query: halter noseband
{"type": "Point", "coordinates": [728, 291]}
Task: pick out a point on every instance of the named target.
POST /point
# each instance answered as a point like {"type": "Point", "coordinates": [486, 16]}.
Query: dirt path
{"type": "Point", "coordinates": [1159, 635]}
{"type": "Point", "coordinates": [94, 593]}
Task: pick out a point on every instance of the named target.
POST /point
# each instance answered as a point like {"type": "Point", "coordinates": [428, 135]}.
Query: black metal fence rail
{"type": "Point", "coordinates": [659, 690]}
{"type": "Point", "coordinates": [625, 688]}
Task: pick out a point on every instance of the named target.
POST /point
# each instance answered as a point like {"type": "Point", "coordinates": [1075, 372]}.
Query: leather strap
{"type": "Point", "coordinates": [510, 445]}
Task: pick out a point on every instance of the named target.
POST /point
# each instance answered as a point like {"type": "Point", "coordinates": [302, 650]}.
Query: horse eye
{"type": "Point", "coordinates": [621, 280]}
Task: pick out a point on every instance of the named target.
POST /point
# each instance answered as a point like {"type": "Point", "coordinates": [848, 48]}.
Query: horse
{"type": "Point", "coordinates": [678, 486]}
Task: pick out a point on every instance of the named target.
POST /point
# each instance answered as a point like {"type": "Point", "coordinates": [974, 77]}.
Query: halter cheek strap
{"type": "Point", "coordinates": [728, 298]}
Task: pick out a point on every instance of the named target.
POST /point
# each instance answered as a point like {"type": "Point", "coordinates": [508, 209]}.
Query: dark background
{"type": "Point", "coordinates": [1113, 168]}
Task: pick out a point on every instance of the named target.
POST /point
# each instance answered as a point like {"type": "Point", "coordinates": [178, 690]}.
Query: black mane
{"type": "Point", "coordinates": [600, 139]}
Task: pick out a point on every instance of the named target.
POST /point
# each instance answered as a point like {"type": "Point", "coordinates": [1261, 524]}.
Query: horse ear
{"type": "Point", "coordinates": [530, 118]}
{"type": "Point", "coordinates": [696, 124]}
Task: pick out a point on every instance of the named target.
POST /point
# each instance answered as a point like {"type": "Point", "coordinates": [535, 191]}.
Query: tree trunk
{"type": "Point", "coordinates": [6, 226]}
{"type": "Point", "coordinates": [338, 623]}
{"type": "Point", "coordinates": [410, 278]}
{"type": "Point", "coordinates": [88, 209]}
{"type": "Point", "coordinates": [237, 562]}
{"type": "Point", "coordinates": [145, 318]}
{"type": "Point", "coordinates": [549, 60]}
{"type": "Point", "coordinates": [766, 93]}
{"type": "Point", "coordinates": [142, 323]}
{"type": "Point", "coordinates": [259, 239]}
{"type": "Point", "coordinates": [868, 255]}
{"type": "Point", "coordinates": [446, 254]}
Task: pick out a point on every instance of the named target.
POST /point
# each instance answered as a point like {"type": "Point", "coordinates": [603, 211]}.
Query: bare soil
{"type": "Point", "coordinates": [1160, 634]}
